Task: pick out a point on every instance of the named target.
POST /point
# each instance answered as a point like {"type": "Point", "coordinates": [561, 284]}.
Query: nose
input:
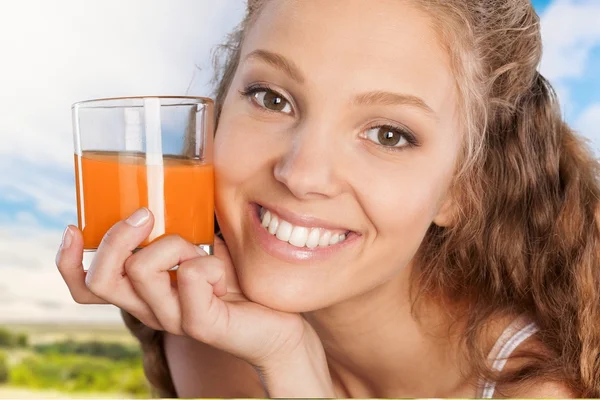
{"type": "Point", "coordinates": [309, 167]}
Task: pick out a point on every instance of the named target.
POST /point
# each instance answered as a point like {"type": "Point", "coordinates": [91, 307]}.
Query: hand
{"type": "Point", "coordinates": [205, 303]}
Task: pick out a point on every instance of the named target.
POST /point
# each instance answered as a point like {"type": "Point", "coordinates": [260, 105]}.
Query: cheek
{"type": "Point", "coordinates": [402, 205]}
{"type": "Point", "coordinates": [405, 213]}
{"type": "Point", "coordinates": [234, 156]}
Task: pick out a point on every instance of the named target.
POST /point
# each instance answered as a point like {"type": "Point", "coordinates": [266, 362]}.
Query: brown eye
{"type": "Point", "coordinates": [387, 136]}
{"type": "Point", "coordinates": [272, 101]}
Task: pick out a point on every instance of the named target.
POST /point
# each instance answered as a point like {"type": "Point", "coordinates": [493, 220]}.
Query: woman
{"type": "Point", "coordinates": [404, 214]}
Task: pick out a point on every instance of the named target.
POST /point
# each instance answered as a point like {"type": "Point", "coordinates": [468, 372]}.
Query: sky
{"type": "Point", "coordinates": [55, 53]}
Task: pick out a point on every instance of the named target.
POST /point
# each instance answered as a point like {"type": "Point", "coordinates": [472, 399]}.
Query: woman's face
{"type": "Point", "coordinates": [341, 123]}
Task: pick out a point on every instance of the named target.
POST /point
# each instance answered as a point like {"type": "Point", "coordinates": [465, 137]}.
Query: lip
{"type": "Point", "coordinates": [303, 220]}
{"type": "Point", "coordinates": [292, 254]}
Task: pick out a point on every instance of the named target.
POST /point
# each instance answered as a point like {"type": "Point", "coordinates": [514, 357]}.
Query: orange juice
{"type": "Point", "coordinates": [112, 185]}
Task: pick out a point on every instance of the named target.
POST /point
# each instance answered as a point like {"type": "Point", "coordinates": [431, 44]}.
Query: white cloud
{"type": "Point", "coordinates": [571, 34]}
{"type": "Point", "coordinates": [570, 30]}
{"type": "Point", "coordinates": [50, 190]}
{"type": "Point", "coordinates": [26, 218]}
{"type": "Point", "coordinates": [588, 125]}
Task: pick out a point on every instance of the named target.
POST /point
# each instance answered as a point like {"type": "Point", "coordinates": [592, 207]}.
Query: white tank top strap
{"type": "Point", "coordinates": [516, 333]}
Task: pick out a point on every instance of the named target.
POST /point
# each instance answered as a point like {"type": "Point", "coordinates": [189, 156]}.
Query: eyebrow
{"type": "Point", "coordinates": [278, 61]}
{"type": "Point", "coordinates": [391, 99]}
{"type": "Point", "coordinates": [375, 97]}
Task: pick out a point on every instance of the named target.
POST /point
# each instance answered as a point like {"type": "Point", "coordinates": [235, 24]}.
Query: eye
{"type": "Point", "coordinates": [268, 99]}
{"type": "Point", "coordinates": [391, 137]}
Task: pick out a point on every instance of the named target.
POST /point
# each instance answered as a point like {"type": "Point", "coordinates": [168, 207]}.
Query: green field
{"type": "Point", "coordinates": [70, 361]}
{"type": "Point", "coordinates": [44, 333]}
{"type": "Point", "coordinates": [9, 392]}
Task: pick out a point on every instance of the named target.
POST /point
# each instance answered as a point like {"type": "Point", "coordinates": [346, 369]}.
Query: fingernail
{"type": "Point", "coordinates": [138, 218]}
{"type": "Point", "coordinates": [67, 238]}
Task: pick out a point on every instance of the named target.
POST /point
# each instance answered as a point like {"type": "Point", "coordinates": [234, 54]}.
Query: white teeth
{"type": "Point", "coordinates": [266, 218]}
{"type": "Point", "coordinates": [273, 224]}
{"type": "Point", "coordinates": [284, 231]}
{"type": "Point", "coordinates": [334, 239]}
{"type": "Point", "coordinates": [313, 238]}
{"type": "Point", "coordinates": [324, 241]}
{"type": "Point", "coordinates": [299, 236]}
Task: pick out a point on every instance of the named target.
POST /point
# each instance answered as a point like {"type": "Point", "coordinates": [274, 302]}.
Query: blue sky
{"type": "Point", "coordinates": [147, 50]}
{"type": "Point", "coordinates": [540, 5]}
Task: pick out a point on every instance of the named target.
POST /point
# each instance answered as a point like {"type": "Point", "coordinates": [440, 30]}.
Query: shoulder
{"type": "Point", "coordinates": [523, 346]}
{"type": "Point", "coordinates": [199, 370]}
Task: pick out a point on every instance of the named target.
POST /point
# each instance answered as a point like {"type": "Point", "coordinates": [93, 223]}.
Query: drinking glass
{"type": "Point", "coordinates": [153, 152]}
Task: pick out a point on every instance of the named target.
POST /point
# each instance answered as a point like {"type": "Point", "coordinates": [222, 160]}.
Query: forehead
{"type": "Point", "coordinates": [357, 44]}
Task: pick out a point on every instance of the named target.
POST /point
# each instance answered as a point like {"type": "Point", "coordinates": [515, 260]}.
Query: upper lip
{"type": "Point", "coordinates": [303, 220]}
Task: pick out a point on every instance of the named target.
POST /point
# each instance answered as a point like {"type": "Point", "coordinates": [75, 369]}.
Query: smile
{"type": "Point", "coordinates": [300, 236]}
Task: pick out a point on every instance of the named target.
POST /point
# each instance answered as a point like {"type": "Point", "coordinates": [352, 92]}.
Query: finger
{"type": "Point", "coordinates": [106, 276]}
{"type": "Point", "coordinates": [147, 269]}
{"type": "Point", "coordinates": [69, 262]}
{"type": "Point", "coordinates": [203, 314]}
{"type": "Point", "coordinates": [222, 252]}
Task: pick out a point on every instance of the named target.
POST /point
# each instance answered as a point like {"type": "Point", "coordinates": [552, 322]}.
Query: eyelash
{"type": "Point", "coordinates": [412, 142]}
{"type": "Point", "coordinates": [251, 90]}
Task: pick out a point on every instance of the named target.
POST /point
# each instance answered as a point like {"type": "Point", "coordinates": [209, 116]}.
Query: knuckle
{"type": "Point", "coordinates": [133, 267]}
{"type": "Point", "coordinates": [175, 245]}
{"type": "Point", "coordinates": [96, 285]}
{"type": "Point", "coordinates": [189, 272]}
{"type": "Point", "coordinates": [175, 240]}
{"type": "Point", "coordinates": [196, 331]}
{"type": "Point", "coordinates": [214, 262]}
{"type": "Point", "coordinates": [96, 288]}
{"type": "Point", "coordinates": [148, 319]}
{"type": "Point", "coordinates": [173, 328]}
{"type": "Point", "coordinates": [150, 323]}
{"type": "Point", "coordinates": [213, 267]}
{"type": "Point", "coordinates": [200, 268]}
{"type": "Point", "coordinates": [169, 322]}
{"type": "Point", "coordinates": [91, 283]}
{"type": "Point", "coordinates": [64, 264]}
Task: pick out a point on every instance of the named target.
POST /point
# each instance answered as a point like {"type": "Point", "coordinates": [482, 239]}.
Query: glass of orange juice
{"type": "Point", "coordinates": [153, 152]}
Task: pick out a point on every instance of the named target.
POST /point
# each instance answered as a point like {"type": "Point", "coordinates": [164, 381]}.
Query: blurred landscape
{"type": "Point", "coordinates": [76, 361]}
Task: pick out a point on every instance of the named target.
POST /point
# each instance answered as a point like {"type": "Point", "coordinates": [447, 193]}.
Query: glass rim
{"type": "Point", "coordinates": [104, 102]}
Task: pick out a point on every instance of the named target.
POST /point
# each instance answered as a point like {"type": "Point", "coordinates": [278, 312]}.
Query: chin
{"type": "Point", "coordinates": [275, 288]}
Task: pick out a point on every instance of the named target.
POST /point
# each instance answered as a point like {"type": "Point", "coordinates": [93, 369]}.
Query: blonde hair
{"type": "Point", "coordinates": [526, 234]}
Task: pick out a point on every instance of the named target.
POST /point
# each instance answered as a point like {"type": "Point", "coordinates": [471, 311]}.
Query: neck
{"type": "Point", "coordinates": [376, 348]}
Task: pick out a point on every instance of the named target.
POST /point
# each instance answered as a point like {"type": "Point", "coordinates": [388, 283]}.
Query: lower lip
{"type": "Point", "coordinates": [289, 253]}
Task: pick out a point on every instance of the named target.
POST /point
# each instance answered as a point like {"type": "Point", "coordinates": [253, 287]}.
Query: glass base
{"type": "Point", "coordinates": [88, 255]}
{"type": "Point", "coordinates": [208, 248]}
